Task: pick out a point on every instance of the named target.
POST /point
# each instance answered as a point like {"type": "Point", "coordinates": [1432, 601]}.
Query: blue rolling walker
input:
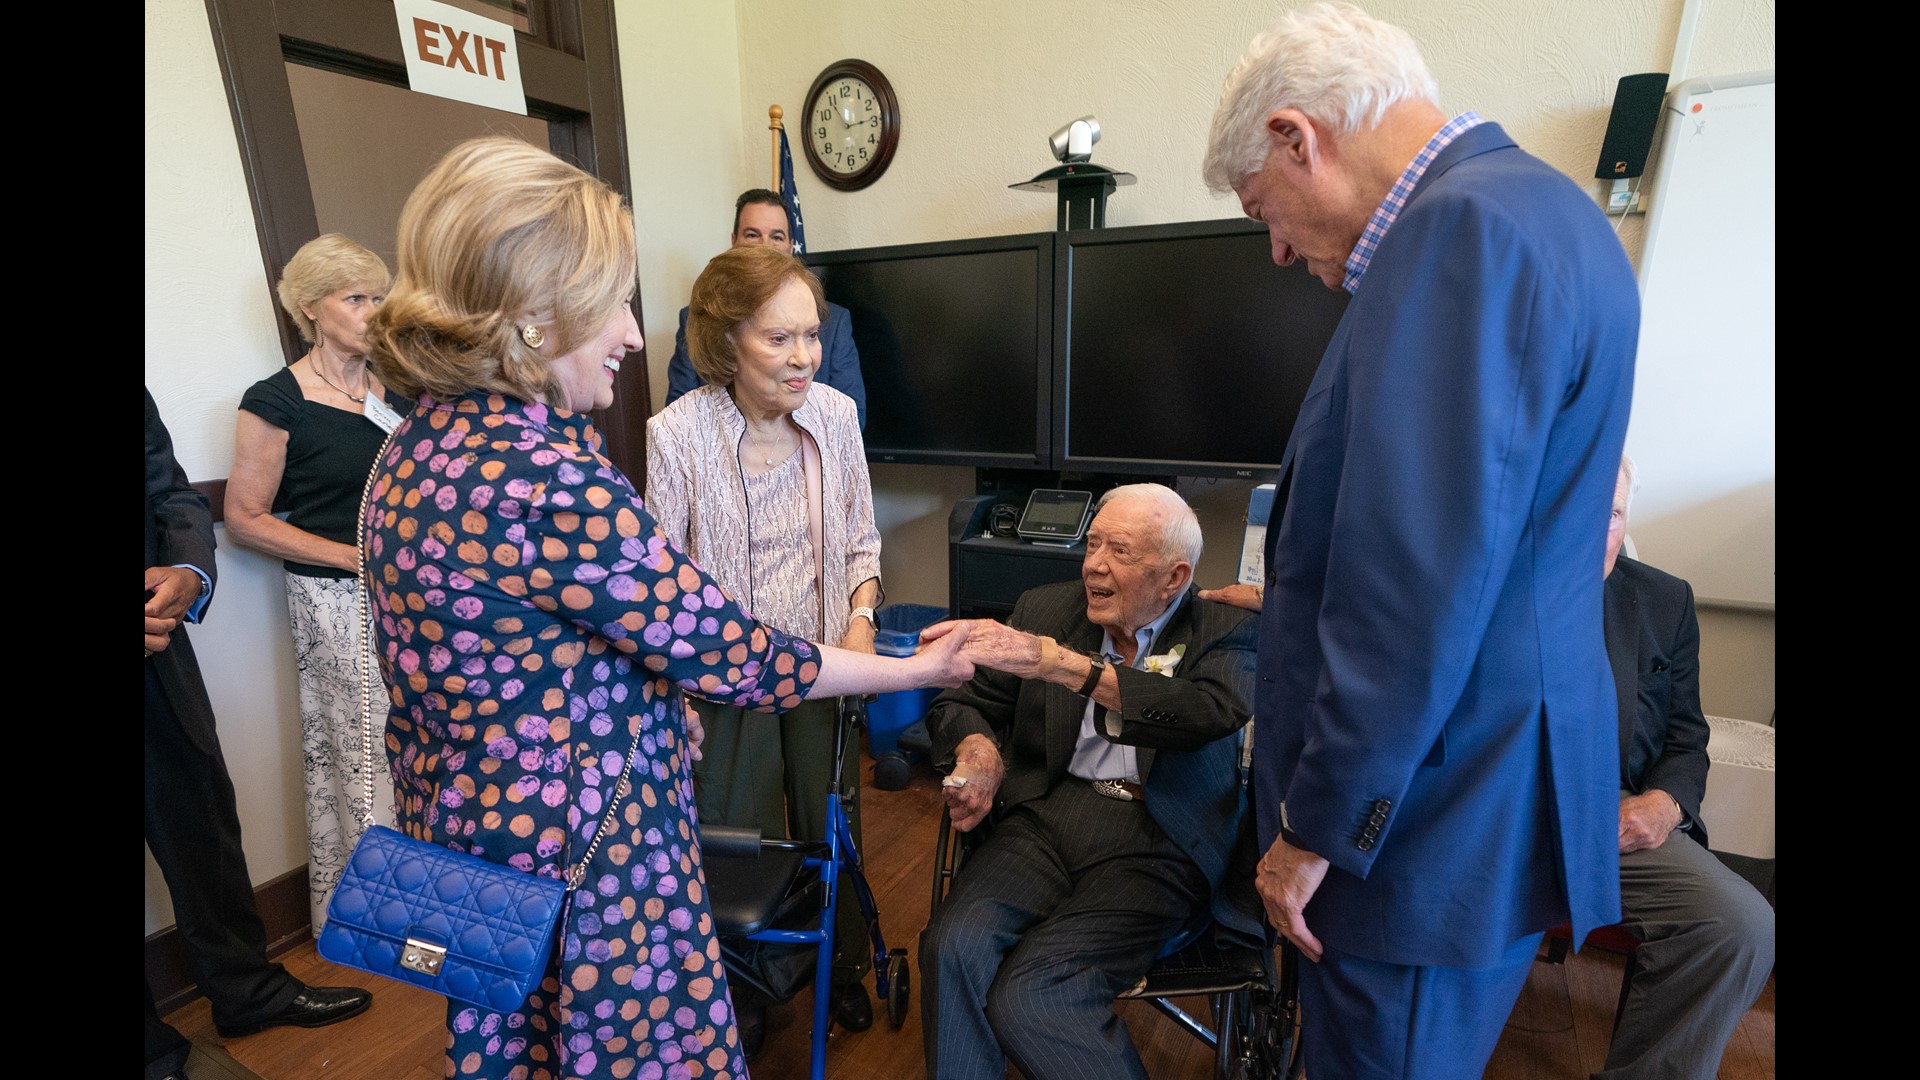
{"type": "Point", "coordinates": [774, 903]}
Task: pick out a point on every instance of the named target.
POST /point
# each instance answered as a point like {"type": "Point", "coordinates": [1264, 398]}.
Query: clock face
{"type": "Point", "coordinates": [843, 123]}
{"type": "Point", "coordinates": [852, 125]}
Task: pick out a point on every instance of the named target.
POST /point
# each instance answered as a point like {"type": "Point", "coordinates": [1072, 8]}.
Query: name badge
{"type": "Point", "coordinates": [381, 414]}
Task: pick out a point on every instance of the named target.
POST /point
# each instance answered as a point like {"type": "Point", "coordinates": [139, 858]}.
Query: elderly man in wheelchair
{"type": "Point", "coordinates": [1095, 754]}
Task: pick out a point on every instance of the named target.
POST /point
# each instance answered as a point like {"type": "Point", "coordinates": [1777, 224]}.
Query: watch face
{"type": "Point", "coordinates": [844, 125]}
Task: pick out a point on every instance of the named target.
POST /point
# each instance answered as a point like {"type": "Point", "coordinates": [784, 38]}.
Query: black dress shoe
{"type": "Point", "coordinates": [852, 1008]}
{"type": "Point", "coordinates": [314, 1006]}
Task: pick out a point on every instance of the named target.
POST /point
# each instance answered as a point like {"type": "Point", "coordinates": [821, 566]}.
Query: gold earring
{"type": "Point", "coordinates": [533, 336]}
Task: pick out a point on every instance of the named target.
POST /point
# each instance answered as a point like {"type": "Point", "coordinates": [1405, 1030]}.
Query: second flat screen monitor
{"type": "Point", "coordinates": [1184, 349]}
{"type": "Point", "coordinates": [953, 343]}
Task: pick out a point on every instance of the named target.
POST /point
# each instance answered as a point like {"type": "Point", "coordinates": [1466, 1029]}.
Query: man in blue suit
{"type": "Point", "coordinates": [759, 217]}
{"type": "Point", "coordinates": [1435, 772]}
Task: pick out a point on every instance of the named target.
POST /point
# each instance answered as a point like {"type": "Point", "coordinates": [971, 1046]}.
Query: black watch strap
{"type": "Point", "coordinates": [1097, 666]}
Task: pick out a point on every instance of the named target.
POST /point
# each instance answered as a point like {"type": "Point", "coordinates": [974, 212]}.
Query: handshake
{"type": "Point", "coordinates": [990, 644]}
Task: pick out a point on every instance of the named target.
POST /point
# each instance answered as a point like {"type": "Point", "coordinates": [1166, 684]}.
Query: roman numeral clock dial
{"type": "Point", "coordinates": [853, 125]}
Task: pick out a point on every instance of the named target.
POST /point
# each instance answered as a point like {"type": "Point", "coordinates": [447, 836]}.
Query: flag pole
{"type": "Point", "coordinates": [774, 113]}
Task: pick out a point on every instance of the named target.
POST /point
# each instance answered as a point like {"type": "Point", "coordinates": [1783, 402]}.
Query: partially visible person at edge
{"type": "Point", "coordinates": [1434, 760]}
{"type": "Point", "coordinates": [760, 219]}
{"type": "Point", "coordinates": [304, 440]}
{"type": "Point", "coordinates": [1707, 936]}
{"type": "Point", "coordinates": [760, 477]}
{"type": "Point", "coordinates": [533, 619]}
{"type": "Point", "coordinates": [192, 817]}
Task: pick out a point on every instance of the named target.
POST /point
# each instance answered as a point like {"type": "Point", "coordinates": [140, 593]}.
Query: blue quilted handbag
{"type": "Point", "coordinates": [451, 922]}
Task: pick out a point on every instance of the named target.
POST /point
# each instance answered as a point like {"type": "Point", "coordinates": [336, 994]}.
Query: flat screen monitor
{"type": "Point", "coordinates": [1182, 349]}
{"type": "Point", "coordinates": [954, 343]}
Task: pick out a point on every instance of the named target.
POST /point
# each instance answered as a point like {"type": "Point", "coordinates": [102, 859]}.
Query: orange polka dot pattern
{"type": "Point", "coordinates": [532, 617]}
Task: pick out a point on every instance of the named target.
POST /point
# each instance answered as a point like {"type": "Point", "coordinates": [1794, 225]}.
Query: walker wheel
{"type": "Point", "coordinates": [899, 992]}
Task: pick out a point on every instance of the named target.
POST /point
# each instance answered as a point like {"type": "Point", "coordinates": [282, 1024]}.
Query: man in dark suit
{"type": "Point", "coordinates": [1434, 777]}
{"type": "Point", "coordinates": [1707, 935]}
{"type": "Point", "coordinates": [1098, 735]}
{"type": "Point", "coordinates": [760, 217]}
{"type": "Point", "coordinates": [192, 823]}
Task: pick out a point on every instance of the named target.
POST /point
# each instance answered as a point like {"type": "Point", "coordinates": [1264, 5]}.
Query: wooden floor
{"type": "Point", "coordinates": [1558, 1030]}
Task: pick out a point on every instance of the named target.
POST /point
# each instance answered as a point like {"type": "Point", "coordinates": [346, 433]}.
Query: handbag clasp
{"type": "Point", "coordinates": [422, 957]}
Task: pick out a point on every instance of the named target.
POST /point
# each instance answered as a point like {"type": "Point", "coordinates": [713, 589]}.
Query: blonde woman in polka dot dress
{"type": "Point", "coordinates": [533, 620]}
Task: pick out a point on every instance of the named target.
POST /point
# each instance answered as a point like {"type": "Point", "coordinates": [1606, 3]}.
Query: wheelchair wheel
{"type": "Point", "coordinates": [899, 990]}
{"type": "Point", "coordinates": [1261, 1039]}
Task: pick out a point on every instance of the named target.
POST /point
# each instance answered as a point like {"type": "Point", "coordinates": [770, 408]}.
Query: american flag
{"type": "Point", "coordinates": [789, 196]}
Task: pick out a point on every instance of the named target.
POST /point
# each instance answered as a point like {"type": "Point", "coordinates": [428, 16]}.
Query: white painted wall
{"type": "Point", "coordinates": [210, 334]}
{"type": "Point", "coordinates": [981, 84]}
{"type": "Point", "coordinates": [680, 75]}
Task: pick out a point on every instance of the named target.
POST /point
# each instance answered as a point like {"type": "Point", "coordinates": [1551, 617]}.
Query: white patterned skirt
{"type": "Point", "coordinates": [327, 643]}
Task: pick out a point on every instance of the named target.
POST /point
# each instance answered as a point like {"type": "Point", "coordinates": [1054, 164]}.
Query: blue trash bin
{"type": "Point", "coordinates": [889, 714]}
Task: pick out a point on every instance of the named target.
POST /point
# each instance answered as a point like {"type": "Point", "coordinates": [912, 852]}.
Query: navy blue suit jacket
{"type": "Point", "coordinates": [1653, 639]}
{"type": "Point", "coordinates": [1181, 727]}
{"type": "Point", "coordinates": [839, 361]}
{"type": "Point", "coordinates": [1434, 703]}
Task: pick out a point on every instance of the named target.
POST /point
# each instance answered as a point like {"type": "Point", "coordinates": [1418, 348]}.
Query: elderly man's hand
{"type": "Point", "coordinates": [1287, 878]}
{"type": "Point", "coordinates": [969, 790]}
{"type": "Point", "coordinates": [1647, 819]}
{"type": "Point", "coordinates": [1240, 596]}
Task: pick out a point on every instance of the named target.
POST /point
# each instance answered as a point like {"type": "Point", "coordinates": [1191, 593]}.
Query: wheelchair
{"type": "Point", "coordinates": [774, 903]}
{"type": "Point", "coordinates": [1252, 988]}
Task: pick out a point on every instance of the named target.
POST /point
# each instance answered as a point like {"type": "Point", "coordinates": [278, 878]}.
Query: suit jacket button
{"type": "Point", "coordinates": [1271, 578]}
{"type": "Point", "coordinates": [1364, 845]}
{"type": "Point", "coordinates": [1377, 817]}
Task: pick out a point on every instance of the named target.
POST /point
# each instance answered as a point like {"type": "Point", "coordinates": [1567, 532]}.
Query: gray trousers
{"type": "Point", "coordinates": [1707, 950]}
{"type": "Point", "coordinates": [772, 771]}
{"type": "Point", "coordinates": [1066, 903]}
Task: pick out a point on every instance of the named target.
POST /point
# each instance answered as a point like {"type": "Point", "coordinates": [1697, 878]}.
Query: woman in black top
{"type": "Point", "coordinates": [307, 435]}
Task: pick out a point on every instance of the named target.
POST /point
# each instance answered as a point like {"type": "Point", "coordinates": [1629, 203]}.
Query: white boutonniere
{"type": "Point", "coordinates": [1166, 662]}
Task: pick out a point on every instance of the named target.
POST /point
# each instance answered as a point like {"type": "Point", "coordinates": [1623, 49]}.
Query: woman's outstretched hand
{"type": "Point", "coordinates": [943, 651]}
{"type": "Point", "coordinates": [996, 645]}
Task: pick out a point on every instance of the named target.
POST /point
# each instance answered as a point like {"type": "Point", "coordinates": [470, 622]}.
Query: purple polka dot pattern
{"type": "Point", "coordinates": [532, 618]}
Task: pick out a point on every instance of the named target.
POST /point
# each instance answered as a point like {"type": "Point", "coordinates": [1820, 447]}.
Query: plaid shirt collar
{"type": "Point", "coordinates": [1396, 200]}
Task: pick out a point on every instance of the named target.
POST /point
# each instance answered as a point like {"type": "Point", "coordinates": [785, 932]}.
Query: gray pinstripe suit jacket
{"type": "Point", "coordinates": [1183, 725]}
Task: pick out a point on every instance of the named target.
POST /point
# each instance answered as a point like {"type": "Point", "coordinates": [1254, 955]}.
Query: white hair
{"type": "Point", "coordinates": [1332, 61]}
{"type": "Point", "coordinates": [1180, 538]}
{"type": "Point", "coordinates": [1632, 472]}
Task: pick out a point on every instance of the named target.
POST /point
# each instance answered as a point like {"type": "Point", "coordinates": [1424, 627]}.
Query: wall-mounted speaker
{"type": "Point", "coordinates": [1636, 111]}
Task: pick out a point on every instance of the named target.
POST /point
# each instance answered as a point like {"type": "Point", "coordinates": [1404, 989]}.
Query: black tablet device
{"type": "Point", "coordinates": [1055, 516]}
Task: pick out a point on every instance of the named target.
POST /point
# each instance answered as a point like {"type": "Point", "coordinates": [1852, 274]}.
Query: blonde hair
{"type": "Point", "coordinates": [500, 235]}
{"type": "Point", "coordinates": [1334, 62]}
{"type": "Point", "coordinates": [730, 291]}
{"type": "Point", "coordinates": [324, 265]}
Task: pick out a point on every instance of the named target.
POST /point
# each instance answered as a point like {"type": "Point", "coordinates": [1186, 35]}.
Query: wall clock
{"type": "Point", "coordinates": [853, 124]}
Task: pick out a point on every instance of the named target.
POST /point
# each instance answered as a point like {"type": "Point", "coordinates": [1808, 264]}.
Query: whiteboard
{"type": "Point", "coordinates": [1702, 431]}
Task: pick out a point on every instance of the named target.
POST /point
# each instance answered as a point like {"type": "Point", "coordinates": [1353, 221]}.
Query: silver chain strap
{"type": "Point", "coordinates": [576, 873]}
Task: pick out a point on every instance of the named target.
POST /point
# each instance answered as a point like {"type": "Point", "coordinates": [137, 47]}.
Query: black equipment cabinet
{"type": "Point", "coordinates": [986, 574]}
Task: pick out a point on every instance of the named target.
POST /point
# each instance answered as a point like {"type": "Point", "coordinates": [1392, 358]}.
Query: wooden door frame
{"type": "Point", "coordinates": [569, 65]}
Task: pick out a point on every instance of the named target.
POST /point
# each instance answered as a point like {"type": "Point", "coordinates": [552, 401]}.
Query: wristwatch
{"type": "Point", "coordinates": [864, 613]}
{"type": "Point", "coordinates": [1096, 665]}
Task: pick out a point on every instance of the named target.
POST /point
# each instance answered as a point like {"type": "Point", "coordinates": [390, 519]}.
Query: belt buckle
{"type": "Point", "coordinates": [1112, 789]}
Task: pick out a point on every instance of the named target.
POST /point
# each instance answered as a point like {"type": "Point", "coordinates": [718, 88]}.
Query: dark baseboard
{"type": "Point", "coordinates": [283, 909]}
